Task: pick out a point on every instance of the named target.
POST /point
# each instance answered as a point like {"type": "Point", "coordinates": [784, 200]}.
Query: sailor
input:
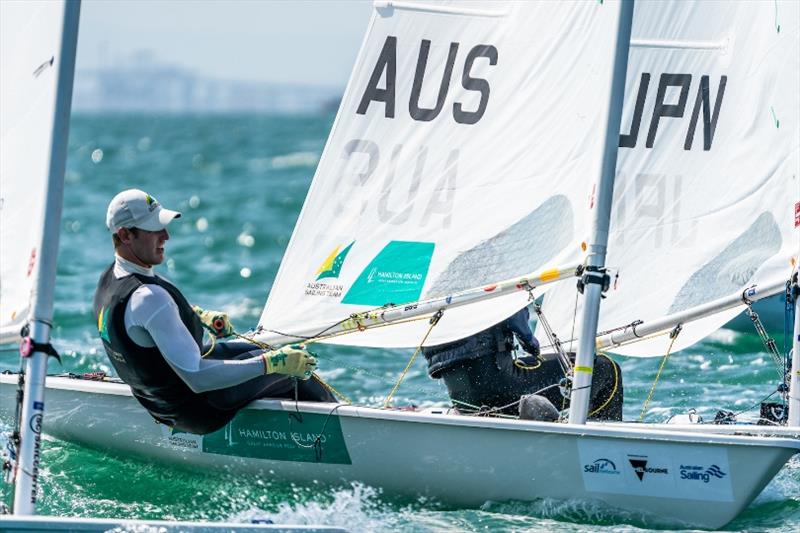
{"type": "Point", "coordinates": [154, 338]}
{"type": "Point", "coordinates": [482, 372]}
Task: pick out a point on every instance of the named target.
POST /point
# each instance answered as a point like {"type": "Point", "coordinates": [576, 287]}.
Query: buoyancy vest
{"type": "Point", "coordinates": [493, 340]}
{"type": "Point", "coordinates": [153, 382]}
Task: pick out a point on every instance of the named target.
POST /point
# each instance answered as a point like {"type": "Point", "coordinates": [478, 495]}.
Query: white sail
{"type": "Point", "coordinates": [708, 165]}
{"type": "Point", "coordinates": [28, 94]}
{"type": "Point", "coordinates": [463, 154]}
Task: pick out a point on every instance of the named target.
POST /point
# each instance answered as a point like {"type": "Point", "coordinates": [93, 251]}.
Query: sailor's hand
{"type": "Point", "coordinates": [216, 322]}
{"type": "Point", "coordinates": [292, 361]}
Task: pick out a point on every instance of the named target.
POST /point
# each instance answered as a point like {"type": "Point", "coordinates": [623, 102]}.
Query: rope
{"type": "Point", "coordinates": [563, 359]}
{"type": "Point", "coordinates": [673, 335]}
{"type": "Point", "coordinates": [613, 391]}
{"type": "Point", "coordinates": [522, 366]}
{"type": "Point", "coordinates": [434, 320]}
{"type": "Point", "coordinates": [213, 345]}
{"type": "Point", "coordinates": [769, 342]}
{"type": "Point", "coordinates": [331, 389]}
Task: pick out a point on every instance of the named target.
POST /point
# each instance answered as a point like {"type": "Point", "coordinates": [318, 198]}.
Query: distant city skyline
{"type": "Point", "coordinates": [142, 82]}
{"type": "Point", "coordinates": [308, 42]}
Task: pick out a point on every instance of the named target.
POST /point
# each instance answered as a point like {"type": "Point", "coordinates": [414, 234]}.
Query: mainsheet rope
{"type": "Point", "coordinates": [673, 336]}
{"type": "Point", "coordinates": [434, 320]}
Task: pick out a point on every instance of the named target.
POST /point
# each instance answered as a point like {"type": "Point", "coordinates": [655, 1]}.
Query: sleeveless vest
{"type": "Point", "coordinates": [496, 339]}
{"type": "Point", "coordinates": [153, 382]}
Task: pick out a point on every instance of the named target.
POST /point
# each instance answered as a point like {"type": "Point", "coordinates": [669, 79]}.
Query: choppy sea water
{"type": "Point", "coordinates": [240, 182]}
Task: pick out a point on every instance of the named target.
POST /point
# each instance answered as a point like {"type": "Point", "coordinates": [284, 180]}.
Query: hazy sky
{"type": "Point", "coordinates": [303, 41]}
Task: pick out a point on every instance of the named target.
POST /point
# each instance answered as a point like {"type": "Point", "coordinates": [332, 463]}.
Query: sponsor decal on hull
{"type": "Point", "coordinates": [273, 435]}
{"type": "Point", "coordinates": [680, 471]}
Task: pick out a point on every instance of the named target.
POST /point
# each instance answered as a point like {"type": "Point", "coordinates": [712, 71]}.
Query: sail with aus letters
{"type": "Point", "coordinates": [457, 160]}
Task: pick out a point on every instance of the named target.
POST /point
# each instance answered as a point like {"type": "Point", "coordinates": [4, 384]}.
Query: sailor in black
{"type": "Point", "coordinates": [153, 337]}
{"type": "Point", "coordinates": [481, 371]}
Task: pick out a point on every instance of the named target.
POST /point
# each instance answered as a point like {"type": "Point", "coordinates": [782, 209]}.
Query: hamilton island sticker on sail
{"type": "Point", "coordinates": [326, 281]}
{"type": "Point", "coordinates": [396, 275]}
{"type": "Point", "coordinates": [281, 436]}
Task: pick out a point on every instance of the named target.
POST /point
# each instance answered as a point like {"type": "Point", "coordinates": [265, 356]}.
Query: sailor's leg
{"type": "Point", "coordinates": [498, 380]}
{"type": "Point", "coordinates": [476, 383]}
{"type": "Point", "coordinates": [607, 392]}
{"type": "Point", "coordinates": [542, 374]}
{"type": "Point", "coordinates": [274, 386]}
{"type": "Point", "coordinates": [268, 386]}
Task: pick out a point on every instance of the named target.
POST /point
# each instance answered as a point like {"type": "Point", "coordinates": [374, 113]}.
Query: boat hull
{"type": "Point", "coordinates": [665, 476]}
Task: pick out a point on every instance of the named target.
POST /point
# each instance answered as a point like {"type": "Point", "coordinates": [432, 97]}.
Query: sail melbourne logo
{"type": "Point", "coordinates": [640, 468]}
{"type": "Point", "coordinates": [701, 473]}
{"type": "Point", "coordinates": [602, 466]}
{"type": "Point", "coordinates": [330, 269]}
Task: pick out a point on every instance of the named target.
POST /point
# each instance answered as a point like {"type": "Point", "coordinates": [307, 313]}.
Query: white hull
{"type": "Point", "coordinates": [458, 460]}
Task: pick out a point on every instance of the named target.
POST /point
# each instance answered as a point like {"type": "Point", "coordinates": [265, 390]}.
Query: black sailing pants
{"type": "Point", "coordinates": [274, 386]}
{"type": "Point", "coordinates": [497, 380]}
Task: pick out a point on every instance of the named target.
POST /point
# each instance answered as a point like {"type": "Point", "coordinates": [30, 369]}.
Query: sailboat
{"type": "Point", "coordinates": [39, 41]}
{"type": "Point", "coordinates": [469, 171]}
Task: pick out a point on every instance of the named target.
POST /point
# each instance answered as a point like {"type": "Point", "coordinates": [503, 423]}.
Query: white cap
{"type": "Point", "coordinates": [137, 209]}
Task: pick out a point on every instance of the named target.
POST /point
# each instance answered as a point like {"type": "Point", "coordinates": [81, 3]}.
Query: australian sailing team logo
{"type": "Point", "coordinates": [152, 203]}
{"type": "Point", "coordinates": [332, 265]}
{"type": "Point", "coordinates": [325, 283]}
{"type": "Point", "coordinates": [102, 324]}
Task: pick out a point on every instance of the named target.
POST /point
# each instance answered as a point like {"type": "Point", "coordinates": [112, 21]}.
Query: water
{"type": "Point", "coordinates": [240, 182]}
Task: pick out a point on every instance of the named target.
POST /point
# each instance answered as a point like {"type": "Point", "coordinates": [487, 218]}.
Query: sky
{"type": "Point", "coordinates": [284, 41]}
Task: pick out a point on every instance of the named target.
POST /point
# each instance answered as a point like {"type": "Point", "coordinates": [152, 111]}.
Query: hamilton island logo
{"type": "Point", "coordinates": [640, 468]}
{"type": "Point", "coordinates": [395, 275]}
{"type": "Point", "coordinates": [701, 473]}
{"type": "Point", "coordinates": [602, 466]}
{"type": "Point", "coordinates": [332, 266]}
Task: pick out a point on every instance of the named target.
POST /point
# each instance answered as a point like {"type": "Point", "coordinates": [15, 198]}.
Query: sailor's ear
{"type": "Point", "coordinates": [125, 235]}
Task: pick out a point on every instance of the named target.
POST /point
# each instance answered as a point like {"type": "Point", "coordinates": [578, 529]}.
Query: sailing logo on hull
{"type": "Point", "coordinates": [701, 473]}
{"type": "Point", "coordinates": [602, 466]}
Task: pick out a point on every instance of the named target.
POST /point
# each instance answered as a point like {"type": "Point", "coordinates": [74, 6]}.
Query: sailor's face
{"type": "Point", "coordinates": [148, 246]}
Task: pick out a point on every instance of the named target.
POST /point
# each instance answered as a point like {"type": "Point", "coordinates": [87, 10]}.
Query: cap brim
{"type": "Point", "coordinates": [158, 220]}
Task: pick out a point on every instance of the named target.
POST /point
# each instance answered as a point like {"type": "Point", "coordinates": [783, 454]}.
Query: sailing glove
{"type": "Point", "coordinates": [290, 361]}
{"type": "Point", "coordinates": [216, 322]}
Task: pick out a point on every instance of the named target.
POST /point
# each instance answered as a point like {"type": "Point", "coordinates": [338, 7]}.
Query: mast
{"type": "Point", "coordinates": [794, 381]}
{"type": "Point", "coordinates": [794, 371]}
{"type": "Point", "coordinates": [595, 278]}
{"type": "Point", "coordinates": [34, 346]}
